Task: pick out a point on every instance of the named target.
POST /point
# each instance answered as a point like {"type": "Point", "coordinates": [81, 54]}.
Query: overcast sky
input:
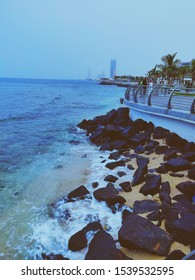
{"type": "Point", "coordinates": [65, 38]}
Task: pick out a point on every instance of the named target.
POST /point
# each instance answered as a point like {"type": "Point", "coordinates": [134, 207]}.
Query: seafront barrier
{"type": "Point", "coordinates": [157, 205]}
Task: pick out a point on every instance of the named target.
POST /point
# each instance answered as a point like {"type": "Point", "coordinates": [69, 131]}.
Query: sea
{"type": "Point", "coordinates": [43, 157]}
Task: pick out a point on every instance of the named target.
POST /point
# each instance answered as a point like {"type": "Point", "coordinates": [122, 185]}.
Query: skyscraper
{"type": "Point", "coordinates": [112, 68]}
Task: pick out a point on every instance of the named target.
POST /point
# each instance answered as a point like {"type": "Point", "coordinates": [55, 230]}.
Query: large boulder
{"type": "Point", "coordinates": [138, 176]}
{"type": "Point", "coordinates": [80, 193]}
{"type": "Point", "coordinates": [114, 164]}
{"type": "Point", "coordinates": [187, 188]}
{"type": "Point", "coordinates": [177, 164]}
{"type": "Point", "coordinates": [102, 247]}
{"type": "Point", "coordinates": [152, 185]}
{"type": "Point", "coordinates": [78, 241]}
{"type": "Point", "coordinates": [175, 140]}
{"type": "Point", "coordinates": [190, 156]}
{"type": "Point", "coordinates": [140, 233]}
{"type": "Point", "coordinates": [183, 229]}
{"type": "Point", "coordinates": [143, 206]}
{"type": "Point", "coordinates": [160, 132]}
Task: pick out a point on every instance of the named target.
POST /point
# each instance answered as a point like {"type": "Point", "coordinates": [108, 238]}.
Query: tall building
{"type": "Point", "coordinates": [112, 68]}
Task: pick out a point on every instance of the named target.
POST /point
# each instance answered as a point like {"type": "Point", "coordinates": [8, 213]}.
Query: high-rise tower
{"type": "Point", "coordinates": [112, 68]}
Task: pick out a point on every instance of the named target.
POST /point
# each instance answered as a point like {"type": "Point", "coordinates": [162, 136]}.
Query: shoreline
{"type": "Point", "coordinates": [145, 166]}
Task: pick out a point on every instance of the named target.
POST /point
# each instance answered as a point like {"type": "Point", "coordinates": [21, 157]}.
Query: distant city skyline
{"type": "Point", "coordinates": [63, 39]}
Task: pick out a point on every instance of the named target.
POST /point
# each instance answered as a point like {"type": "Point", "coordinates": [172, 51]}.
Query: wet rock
{"type": "Point", "coordinates": [187, 188]}
{"type": "Point", "coordinates": [126, 186]}
{"type": "Point", "coordinates": [183, 229]}
{"type": "Point", "coordinates": [95, 185]}
{"type": "Point", "coordinates": [177, 164]}
{"type": "Point", "coordinates": [114, 155]}
{"type": "Point", "coordinates": [143, 206]}
{"type": "Point", "coordinates": [142, 161]}
{"type": "Point", "coordinates": [138, 176]}
{"type": "Point", "coordinates": [121, 173]}
{"type": "Point", "coordinates": [120, 145]}
{"type": "Point", "coordinates": [80, 193]}
{"type": "Point", "coordinates": [152, 185]}
{"type": "Point", "coordinates": [106, 194]}
{"type": "Point", "coordinates": [160, 132]}
{"type": "Point", "coordinates": [111, 178]}
{"type": "Point", "coordinates": [191, 174]}
{"type": "Point", "coordinates": [140, 233]}
{"type": "Point", "coordinates": [78, 241]}
{"type": "Point", "coordinates": [114, 164]}
{"type": "Point", "coordinates": [175, 140]}
{"type": "Point", "coordinates": [102, 247]}
{"type": "Point", "coordinates": [53, 256]}
{"type": "Point", "coordinates": [175, 255]}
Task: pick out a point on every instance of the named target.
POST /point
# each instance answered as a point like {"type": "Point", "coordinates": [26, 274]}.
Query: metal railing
{"type": "Point", "coordinates": [163, 96]}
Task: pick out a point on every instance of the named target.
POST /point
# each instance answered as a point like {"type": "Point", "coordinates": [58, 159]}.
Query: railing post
{"type": "Point", "coordinates": [192, 109]}
{"type": "Point", "coordinates": [150, 96]}
{"type": "Point", "coordinates": [127, 93]}
{"type": "Point", "coordinates": [169, 101]}
{"type": "Point", "coordinates": [136, 92]}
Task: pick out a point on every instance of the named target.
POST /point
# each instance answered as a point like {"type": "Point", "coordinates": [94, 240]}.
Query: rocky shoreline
{"type": "Point", "coordinates": [158, 204]}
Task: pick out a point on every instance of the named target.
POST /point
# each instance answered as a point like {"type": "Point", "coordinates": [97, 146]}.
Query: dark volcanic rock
{"type": "Point", "coordinates": [143, 206]}
{"type": "Point", "coordinates": [114, 164]}
{"type": "Point", "coordinates": [160, 132]}
{"type": "Point", "coordinates": [126, 186]}
{"type": "Point", "coordinates": [161, 149]}
{"type": "Point", "coordinates": [111, 178]}
{"type": "Point", "coordinates": [162, 169]}
{"type": "Point", "coordinates": [175, 140]}
{"type": "Point", "coordinates": [190, 156]}
{"type": "Point", "coordinates": [114, 155]}
{"type": "Point", "coordinates": [78, 241]}
{"type": "Point", "coordinates": [177, 164]}
{"type": "Point", "coordinates": [154, 216]}
{"type": "Point", "coordinates": [121, 173]}
{"type": "Point", "coordinates": [140, 233]}
{"type": "Point", "coordinates": [139, 149]}
{"type": "Point", "coordinates": [138, 176]}
{"type": "Point", "coordinates": [151, 145]}
{"type": "Point", "coordinates": [191, 174]}
{"type": "Point", "coordinates": [80, 192]}
{"type": "Point", "coordinates": [152, 185]}
{"type": "Point", "coordinates": [164, 193]}
{"type": "Point", "coordinates": [183, 229]}
{"type": "Point", "coordinates": [170, 153]}
{"type": "Point", "coordinates": [168, 212]}
{"type": "Point", "coordinates": [187, 188]}
{"type": "Point", "coordinates": [102, 247]}
{"type": "Point", "coordinates": [184, 206]}
{"type": "Point", "coordinates": [175, 255]}
{"type": "Point", "coordinates": [53, 256]}
{"type": "Point", "coordinates": [105, 194]}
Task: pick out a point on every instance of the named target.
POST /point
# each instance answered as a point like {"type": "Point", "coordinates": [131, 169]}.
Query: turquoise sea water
{"type": "Point", "coordinates": [43, 156]}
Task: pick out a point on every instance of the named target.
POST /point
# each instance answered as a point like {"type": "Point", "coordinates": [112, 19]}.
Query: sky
{"type": "Point", "coordinates": [63, 39]}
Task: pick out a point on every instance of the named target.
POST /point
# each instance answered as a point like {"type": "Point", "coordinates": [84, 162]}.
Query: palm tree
{"type": "Point", "coordinates": [192, 71]}
{"type": "Point", "coordinates": [170, 66]}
